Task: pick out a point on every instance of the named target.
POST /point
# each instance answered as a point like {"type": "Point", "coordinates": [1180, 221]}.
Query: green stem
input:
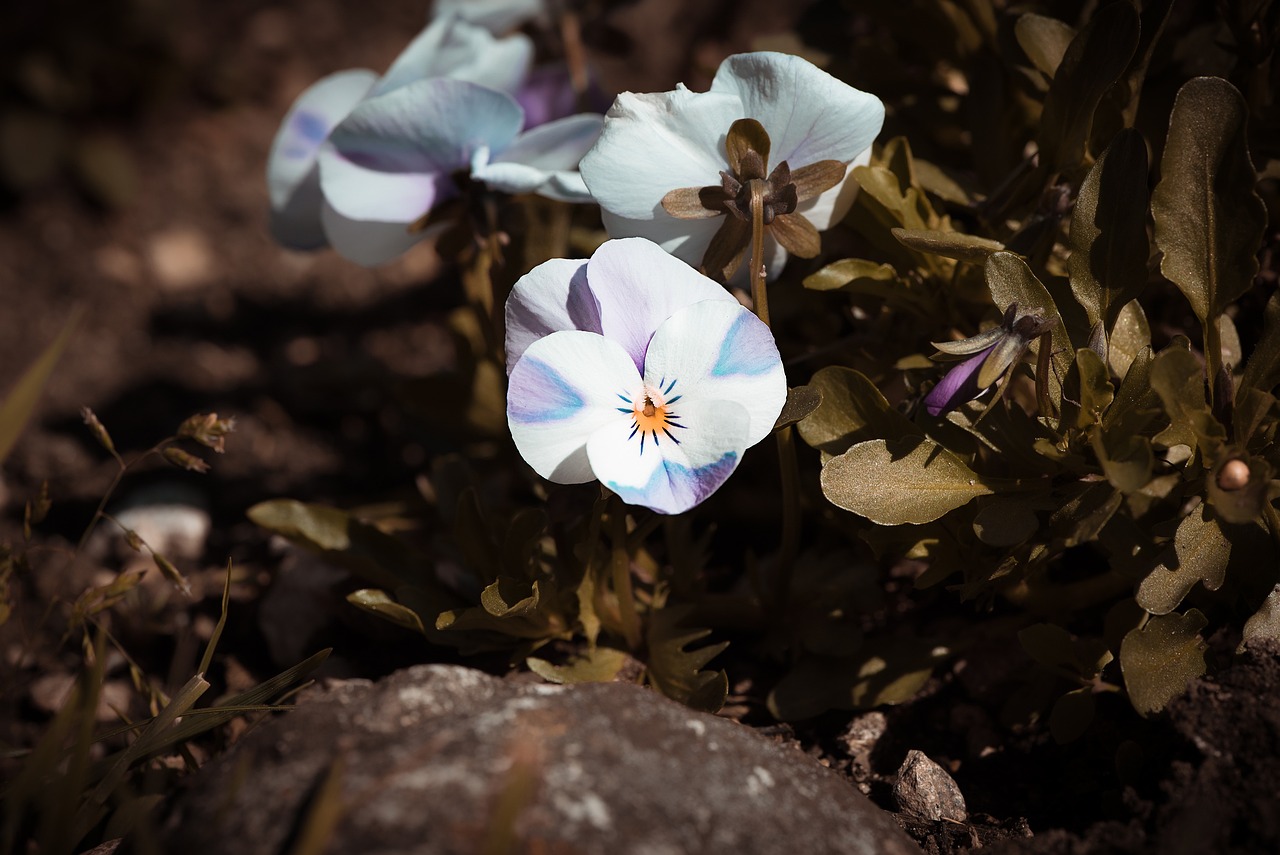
{"type": "Point", "coordinates": [621, 566]}
{"type": "Point", "coordinates": [1212, 351]}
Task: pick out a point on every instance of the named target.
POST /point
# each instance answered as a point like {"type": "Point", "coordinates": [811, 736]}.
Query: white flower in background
{"type": "Point", "coordinates": [449, 47]}
{"type": "Point", "coordinates": [400, 155]}
{"type": "Point", "coordinates": [497, 16]}
{"type": "Point", "coordinates": [634, 369]}
{"type": "Point", "coordinates": [667, 167]}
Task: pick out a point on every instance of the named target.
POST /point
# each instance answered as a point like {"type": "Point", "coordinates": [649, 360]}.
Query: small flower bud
{"type": "Point", "coordinates": [131, 538]}
{"type": "Point", "coordinates": [184, 460]}
{"type": "Point", "coordinates": [97, 429]}
{"type": "Point", "coordinates": [1234, 475]}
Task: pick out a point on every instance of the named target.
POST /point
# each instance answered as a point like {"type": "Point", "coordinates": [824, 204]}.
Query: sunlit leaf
{"type": "Point", "coordinates": [383, 605]}
{"type": "Point", "coordinates": [911, 480]}
{"type": "Point", "coordinates": [1092, 63]}
{"type": "Point", "coordinates": [1199, 553]}
{"type": "Point", "coordinates": [1160, 659]}
{"type": "Point", "coordinates": [852, 273]}
{"type": "Point", "coordinates": [1044, 40]}
{"type": "Point", "coordinates": [20, 404]}
{"type": "Point", "coordinates": [1264, 625]}
{"type": "Point", "coordinates": [1178, 378]}
{"type": "Point", "coordinates": [598, 665]}
{"type": "Point", "coordinates": [1130, 334]}
{"type": "Point", "coordinates": [1088, 393]}
{"type": "Point", "coordinates": [1208, 217]}
{"type": "Point", "coordinates": [957, 245]}
{"type": "Point", "coordinates": [852, 410]}
{"type": "Point", "coordinates": [1011, 281]}
{"type": "Point", "coordinates": [1108, 239]}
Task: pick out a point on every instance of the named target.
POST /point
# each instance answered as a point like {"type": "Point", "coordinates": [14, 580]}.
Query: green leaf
{"type": "Point", "coordinates": [1264, 625]}
{"type": "Point", "coordinates": [1093, 61]}
{"type": "Point", "coordinates": [1011, 281]}
{"type": "Point", "coordinates": [1128, 461]}
{"type": "Point", "coordinates": [598, 665]}
{"type": "Point", "coordinates": [1044, 40]}
{"type": "Point", "coordinates": [1161, 658]}
{"type": "Point", "coordinates": [1072, 714]}
{"type": "Point", "coordinates": [1262, 371]}
{"type": "Point", "coordinates": [1108, 240]}
{"type": "Point", "coordinates": [381, 604]}
{"type": "Point", "coordinates": [677, 672]}
{"type": "Point", "coordinates": [910, 480]}
{"type": "Point", "coordinates": [957, 245]}
{"type": "Point", "coordinates": [1178, 378]}
{"type": "Point", "coordinates": [1235, 502]}
{"type": "Point", "coordinates": [853, 274]}
{"type": "Point", "coordinates": [1130, 335]}
{"type": "Point", "coordinates": [1089, 391]}
{"type": "Point", "coordinates": [373, 555]}
{"type": "Point", "coordinates": [1208, 217]}
{"type": "Point", "coordinates": [884, 671]}
{"type": "Point", "coordinates": [1053, 647]}
{"type": "Point", "coordinates": [800, 404]}
{"type": "Point", "coordinates": [1005, 522]}
{"type": "Point", "coordinates": [20, 404]}
{"type": "Point", "coordinates": [1199, 553]}
{"type": "Point", "coordinates": [1136, 405]}
{"type": "Point", "coordinates": [851, 410]}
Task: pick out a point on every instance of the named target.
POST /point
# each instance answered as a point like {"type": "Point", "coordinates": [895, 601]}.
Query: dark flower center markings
{"type": "Point", "coordinates": [651, 413]}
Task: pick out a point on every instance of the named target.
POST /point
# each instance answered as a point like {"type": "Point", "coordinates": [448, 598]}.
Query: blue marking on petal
{"type": "Point", "coordinates": [737, 356]}
{"type": "Point", "coordinates": [682, 486]}
{"type": "Point", "coordinates": [667, 391]}
{"type": "Point", "coordinates": [310, 127]}
{"type": "Point", "coordinates": [556, 400]}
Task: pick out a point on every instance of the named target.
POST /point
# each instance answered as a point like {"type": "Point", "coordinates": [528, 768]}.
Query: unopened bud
{"type": "Point", "coordinates": [184, 460]}
{"type": "Point", "coordinates": [131, 538]}
{"type": "Point", "coordinates": [171, 573]}
{"type": "Point", "coordinates": [1233, 475]}
{"type": "Point", "coordinates": [97, 429]}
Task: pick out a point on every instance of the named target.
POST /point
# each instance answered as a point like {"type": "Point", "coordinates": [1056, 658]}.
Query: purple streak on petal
{"type": "Point", "coordinates": [959, 386]}
{"type": "Point", "coordinates": [748, 349]}
{"type": "Point", "coordinates": [554, 398]}
{"type": "Point", "coordinates": [674, 488]}
{"type": "Point", "coordinates": [312, 127]}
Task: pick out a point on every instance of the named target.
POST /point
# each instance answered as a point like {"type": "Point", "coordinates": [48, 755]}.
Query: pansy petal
{"type": "Point", "coordinates": [639, 287]}
{"type": "Point", "coordinates": [958, 386]}
{"type": "Point", "coordinates": [828, 208]}
{"type": "Point", "coordinates": [366, 242]}
{"type": "Point", "coordinates": [566, 387]}
{"type": "Point", "coordinates": [688, 240]}
{"type": "Point", "coordinates": [497, 16]}
{"type": "Point", "coordinates": [360, 193]}
{"type": "Point", "coordinates": [672, 472]}
{"type": "Point", "coordinates": [718, 350]}
{"type": "Point", "coordinates": [456, 48]}
{"type": "Point", "coordinates": [544, 160]}
{"type": "Point", "coordinates": [427, 126]}
{"type": "Point", "coordinates": [548, 94]}
{"type": "Point", "coordinates": [292, 176]}
{"type": "Point", "coordinates": [655, 143]}
{"type": "Point", "coordinates": [808, 114]}
{"type": "Point", "coordinates": [551, 297]}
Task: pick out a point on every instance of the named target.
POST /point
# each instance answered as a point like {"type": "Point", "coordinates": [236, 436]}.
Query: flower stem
{"type": "Point", "coordinates": [789, 471]}
{"type": "Point", "coordinates": [759, 293]}
{"type": "Point", "coordinates": [621, 566]}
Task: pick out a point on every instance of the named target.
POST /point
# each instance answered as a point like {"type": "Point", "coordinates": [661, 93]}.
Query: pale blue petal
{"type": "Point", "coordinates": [361, 193]}
{"type": "Point", "coordinates": [566, 387]}
{"type": "Point", "coordinates": [718, 350]}
{"type": "Point", "coordinates": [293, 180]}
{"type": "Point", "coordinates": [427, 126]}
{"type": "Point", "coordinates": [639, 286]}
{"type": "Point", "coordinates": [655, 143]}
{"type": "Point", "coordinates": [458, 49]}
{"type": "Point", "coordinates": [551, 297]}
{"type": "Point", "coordinates": [808, 114]}
{"type": "Point", "coordinates": [673, 471]}
{"type": "Point", "coordinates": [544, 160]}
{"type": "Point", "coordinates": [366, 242]}
{"type": "Point", "coordinates": [497, 16]}
{"type": "Point", "coordinates": [829, 208]}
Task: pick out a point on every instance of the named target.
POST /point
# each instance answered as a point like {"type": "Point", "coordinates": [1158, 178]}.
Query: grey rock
{"type": "Point", "coordinates": [925, 790]}
{"type": "Point", "coordinates": [443, 759]}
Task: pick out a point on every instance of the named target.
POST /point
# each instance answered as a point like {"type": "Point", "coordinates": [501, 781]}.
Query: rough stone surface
{"type": "Point", "coordinates": [442, 759]}
{"type": "Point", "coordinates": [924, 789]}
